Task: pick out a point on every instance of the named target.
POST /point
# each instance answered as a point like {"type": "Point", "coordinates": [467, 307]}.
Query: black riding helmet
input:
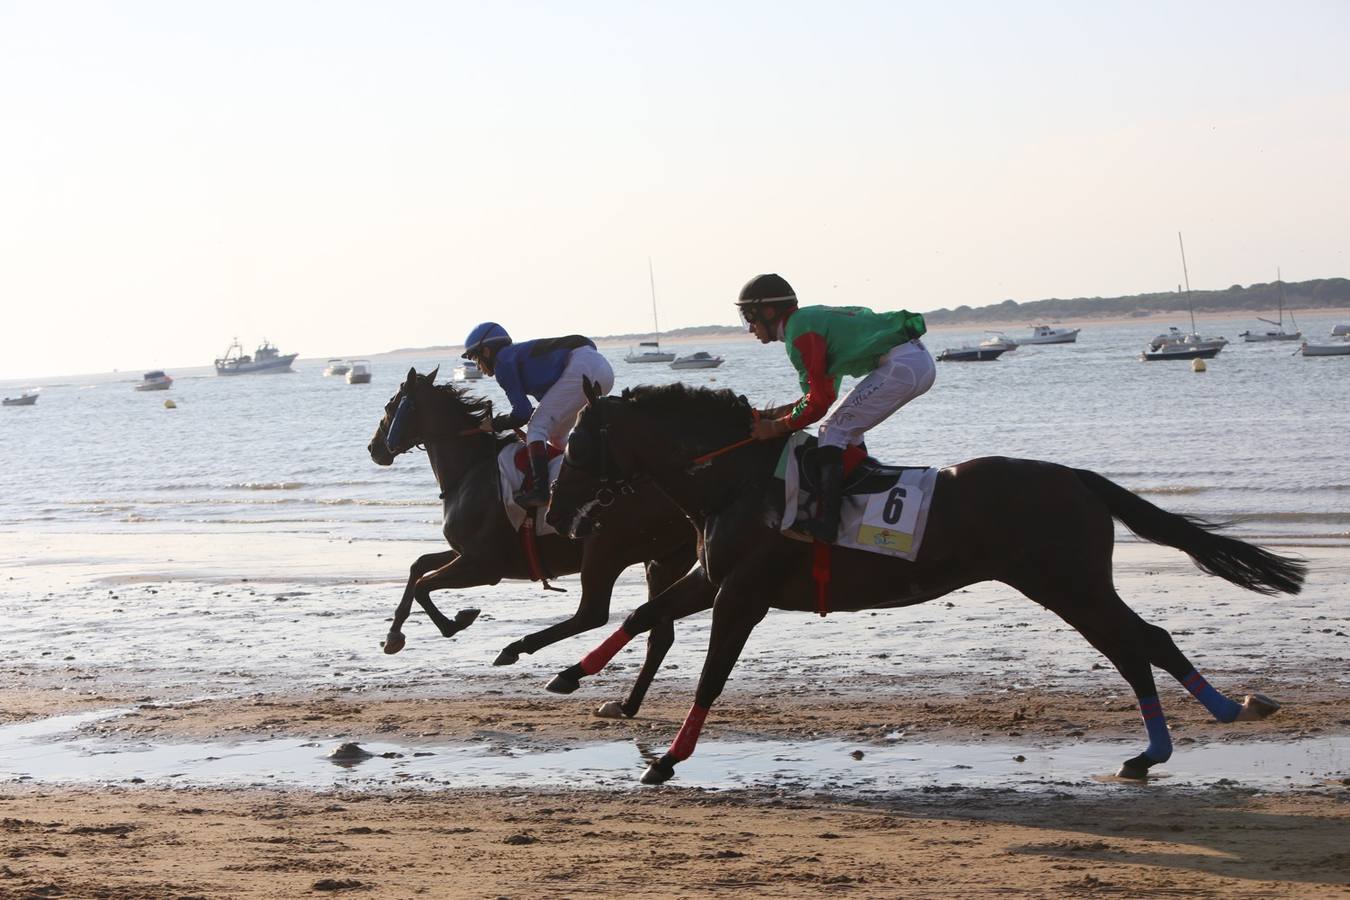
{"type": "Point", "coordinates": [763, 290]}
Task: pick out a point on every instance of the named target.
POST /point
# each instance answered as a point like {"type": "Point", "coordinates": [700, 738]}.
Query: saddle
{"type": "Point", "coordinates": [862, 473]}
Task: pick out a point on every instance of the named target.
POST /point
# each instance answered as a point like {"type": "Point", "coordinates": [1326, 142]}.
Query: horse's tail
{"type": "Point", "coordinates": [1241, 563]}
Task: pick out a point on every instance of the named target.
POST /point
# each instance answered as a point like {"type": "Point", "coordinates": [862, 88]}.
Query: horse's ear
{"type": "Point", "coordinates": [431, 376]}
{"type": "Point", "coordinates": [412, 375]}
{"type": "Point", "coordinates": [591, 390]}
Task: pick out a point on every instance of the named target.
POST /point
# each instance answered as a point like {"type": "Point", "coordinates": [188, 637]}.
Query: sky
{"type": "Point", "coordinates": [349, 178]}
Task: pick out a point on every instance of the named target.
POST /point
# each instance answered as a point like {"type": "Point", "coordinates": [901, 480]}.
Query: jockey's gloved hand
{"type": "Point", "coordinates": [504, 422]}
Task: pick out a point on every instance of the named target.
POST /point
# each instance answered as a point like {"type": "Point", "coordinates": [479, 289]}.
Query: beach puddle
{"type": "Point", "coordinates": [51, 751]}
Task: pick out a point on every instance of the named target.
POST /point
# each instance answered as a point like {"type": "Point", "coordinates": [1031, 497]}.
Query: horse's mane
{"type": "Point", "coordinates": [704, 404]}
{"type": "Point", "coordinates": [460, 397]}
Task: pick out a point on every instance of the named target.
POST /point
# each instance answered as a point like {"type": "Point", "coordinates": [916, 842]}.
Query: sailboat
{"type": "Point", "coordinates": [650, 351]}
{"type": "Point", "coordinates": [1279, 334]}
{"type": "Point", "coordinates": [1176, 345]}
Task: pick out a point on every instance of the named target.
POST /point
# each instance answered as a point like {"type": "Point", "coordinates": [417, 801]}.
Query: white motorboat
{"type": "Point", "coordinates": [1044, 334]}
{"type": "Point", "coordinates": [337, 367]}
{"type": "Point", "coordinates": [155, 381]}
{"type": "Point", "coordinates": [999, 341]}
{"type": "Point", "coordinates": [699, 360]}
{"type": "Point", "coordinates": [1332, 348]}
{"type": "Point", "coordinates": [359, 372]}
{"type": "Point", "coordinates": [24, 399]}
{"type": "Point", "coordinates": [649, 352]}
{"type": "Point", "coordinates": [467, 372]}
{"type": "Point", "coordinates": [265, 359]}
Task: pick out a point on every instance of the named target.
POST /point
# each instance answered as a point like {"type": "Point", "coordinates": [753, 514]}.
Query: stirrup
{"type": "Point", "coordinates": [534, 498]}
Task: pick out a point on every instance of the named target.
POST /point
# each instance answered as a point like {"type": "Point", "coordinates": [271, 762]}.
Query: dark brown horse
{"type": "Point", "coordinates": [1044, 529]}
{"type": "Point", "coordinates": [646, 528]}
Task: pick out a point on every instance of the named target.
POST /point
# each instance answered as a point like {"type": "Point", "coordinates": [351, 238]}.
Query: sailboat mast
{"type": "Point", "coordinates": [1187, 276]}
{"type": "Point", "coordinates": [651, 274]}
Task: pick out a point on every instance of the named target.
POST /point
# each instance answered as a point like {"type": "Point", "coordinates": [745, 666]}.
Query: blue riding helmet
{"type": "Point", "coordinates": [487, 334]}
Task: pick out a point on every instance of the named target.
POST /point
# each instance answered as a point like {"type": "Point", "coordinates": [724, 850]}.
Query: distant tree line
{"type": "Point", "coordinates": [1319, 293]}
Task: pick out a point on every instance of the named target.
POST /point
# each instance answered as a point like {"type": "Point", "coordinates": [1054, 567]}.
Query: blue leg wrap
{"type": "Point", "coordinates": [1159, 738]}
{"type": "Point", "coordinates": [1219, 706]}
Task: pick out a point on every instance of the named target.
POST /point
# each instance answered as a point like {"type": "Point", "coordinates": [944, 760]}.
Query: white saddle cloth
{"type": "Point", "coordinates": [890, 522]}
{"type": "Point", "coordinates": [511, 479]}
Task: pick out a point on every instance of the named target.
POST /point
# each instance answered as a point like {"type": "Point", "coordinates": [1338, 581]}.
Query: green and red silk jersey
{"type": "Point", "coordinates": [825, 343]}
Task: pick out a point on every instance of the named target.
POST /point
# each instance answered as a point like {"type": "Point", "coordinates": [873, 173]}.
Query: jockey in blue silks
{"type": "Point", "coordinates": [549, 370]}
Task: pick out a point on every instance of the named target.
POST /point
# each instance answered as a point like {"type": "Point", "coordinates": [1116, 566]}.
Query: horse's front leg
{"type": "Point", "coordinates": [395, 641]}
{"type": "Point", "coordinates": [458, 572]}
{"type": "Point", "coordinates": [598, 574]}
{"type": "Point", "coordinates": [735, 615]}
{"type": "Point", "coordinates": [692, 593]}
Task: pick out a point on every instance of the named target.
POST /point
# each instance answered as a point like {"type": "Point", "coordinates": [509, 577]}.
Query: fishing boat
{"type": "Point", "coordinates": [1279, 334]}
{"type": "Point", "coordinates": [971, 354]}
{"type": "Point", "coordinates": [1176, 344]}
{"type": "Point", "coordinates": [467, 372]}
{"type": "Point", "coordinates": [337, 367]}
{"type": "Point", "coordinates": [24, 399]}
{"type": "Point", "coordinates": [359, 372]}
{"type": "Point", "coordinates": [1044, 334]}
{"type": "Point", "coordinates": [265, 359]}
{"type": "Point", "coordinates": [650, 351]}
{"type": "Point", "coordinates": [155, 381]}
{"type": "Point", "coordinates": [699, 360]}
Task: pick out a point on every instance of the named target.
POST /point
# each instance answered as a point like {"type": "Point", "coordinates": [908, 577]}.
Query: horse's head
{"type": "Point", "coordinates": [423, 411]}
{"type": "Point", "coordinates": [646, 432]}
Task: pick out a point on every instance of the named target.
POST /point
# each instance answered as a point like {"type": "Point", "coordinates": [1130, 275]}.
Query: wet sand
{"type": "Point", "coordinates": [301, 660]}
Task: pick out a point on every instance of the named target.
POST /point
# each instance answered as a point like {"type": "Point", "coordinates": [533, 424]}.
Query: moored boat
{"type": "Point", "coordinates": [265, 359]}
{"type": "Point", "coordinates": [1180, 351]}
{"type": "Point", "coordinates": [1332, 348]}
{"type": "Point", "coordinates": [155, 381]}
{"type": "Point", "coordinates": [24, 399]}
{"type": "Point", "coordinates": [999, 339]}
{"type": "Point", "coordinates": [699, 360]}
{"type": "Point", "coordinates": [971, 354]}
{"type": "Point", "coordinates": [337, 367]}
{"type": "Point", "coordinates": [1176, 337]}
{"type": "Point", "coordinates": [1044, 334]}
{"type": "Point", "coordinates": [649, 352]}
{"type": "Point", "coordinates": [359, 372]}
{"type": "Point", "coordinates": [467, 372]}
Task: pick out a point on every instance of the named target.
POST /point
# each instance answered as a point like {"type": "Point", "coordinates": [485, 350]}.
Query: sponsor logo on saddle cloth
{"type": "Point", "coordinates": [512, 464]}
{"type": "Point", "coordinates": [885, 513]}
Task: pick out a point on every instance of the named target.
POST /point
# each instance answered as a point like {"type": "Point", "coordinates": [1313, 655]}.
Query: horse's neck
{"type": "Point", "coordinates": [712, 486]}
{"type": "Point", "coordinates": [452, 460]}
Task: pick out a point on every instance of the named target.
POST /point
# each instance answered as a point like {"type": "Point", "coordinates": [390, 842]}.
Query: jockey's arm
{"type": "Point", "coordinates": [508, 378]}
{"type": "Point", "coordinates": [819, 385]}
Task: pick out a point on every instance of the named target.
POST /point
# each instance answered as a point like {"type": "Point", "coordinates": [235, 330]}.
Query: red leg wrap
{"type": "Point", "coordinates": [820, 573]}
{"type": "Point", "coordinates": [598, 658]}
{"type": "Point", "coordinates": [683, 746]}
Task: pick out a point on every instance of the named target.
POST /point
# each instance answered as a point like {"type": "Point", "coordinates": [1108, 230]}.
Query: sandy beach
{"type": "Point", "coordinates": [1024, 686]}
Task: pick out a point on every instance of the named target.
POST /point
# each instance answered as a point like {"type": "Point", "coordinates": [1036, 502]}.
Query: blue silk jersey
{"type": "Point", "coordinates": [530, 368]}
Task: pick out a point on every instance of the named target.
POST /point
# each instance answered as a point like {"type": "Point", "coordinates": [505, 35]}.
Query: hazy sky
{"type": "Point", "coordinates": [348, 178]}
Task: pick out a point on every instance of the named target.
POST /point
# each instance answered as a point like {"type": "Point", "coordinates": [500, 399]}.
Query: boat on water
{"type": "Point", "coordinates": [699, 360]}
{"type": "Point", "coordinates": [1340, 330]}
{"type": "Point", "coordinates": [1044, 334]}
{"type": "Point", "coordinates": [1278, 334]}
{"type": "Point", "coordinates": [265, 359]}
{"type": "Point", "coordinates": [999, 339]}
{"type": "Point", "coordinates": [1176, 337]}
{"type": "Point", "coordinates": [971, 354]}
{"type": "Point", "coordinates": [650, 351]}
{"type": "Point", "coordinates": [1179, 351]}
{"type": "Point", "coordinates": [359, 372]}
{"type": "Point", "coordinates": [1331, 348]}
{"type": "Point", "coordinates": [24, 399]}
{"type": "Point", "coordinates": [1177, 344]}
{"type": "Point", "coordinates": [155, 381]}
{"type": "Point", "coordinates": [337, 367]}
{"type": "Point", "coordinates": [467, 372]}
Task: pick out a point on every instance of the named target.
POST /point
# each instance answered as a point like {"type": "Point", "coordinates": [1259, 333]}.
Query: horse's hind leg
{"type": "Point", "coordinates": [395, 641]}
{"type": "Point", "coordinates": [1164, 654]}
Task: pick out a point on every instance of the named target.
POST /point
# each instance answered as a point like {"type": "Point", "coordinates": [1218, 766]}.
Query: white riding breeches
{"type": "Point", "coordinates": [558, 409]}
{"type": "Point", "coordinates": [903, 373]}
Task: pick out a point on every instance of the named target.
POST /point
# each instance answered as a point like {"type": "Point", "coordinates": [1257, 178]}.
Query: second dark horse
{"type": "Point", "coordinates": [645, 528]}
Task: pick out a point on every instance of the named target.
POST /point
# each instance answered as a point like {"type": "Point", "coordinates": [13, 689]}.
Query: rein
{"type": "Point", "coordinates": [706, 458]}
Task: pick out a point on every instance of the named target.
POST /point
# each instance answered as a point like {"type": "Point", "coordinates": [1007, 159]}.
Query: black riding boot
{"type": "Point", "coordinates": [824, 526]}
{"type": "Point", "coordinates": [537, 496]}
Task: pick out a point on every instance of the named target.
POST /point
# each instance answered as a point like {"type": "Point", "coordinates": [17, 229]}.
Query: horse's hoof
{"type": "Point", "coordinates": [1135, 769]}
{"type": "Point", "coordinates": [1256, 707]}
{"type": "Point", "coordinates": [659, 772]}
{"type": "Point", "coordinates": [611, 709]}
{"type": "Point", "coordinates": [393, 642]}
{"type": "Point", "coordinates": [508, 657]}
{"type": "Point", "coordinates": [562, 684]}
{"type": "Point", "coordinates": [465, 617]}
